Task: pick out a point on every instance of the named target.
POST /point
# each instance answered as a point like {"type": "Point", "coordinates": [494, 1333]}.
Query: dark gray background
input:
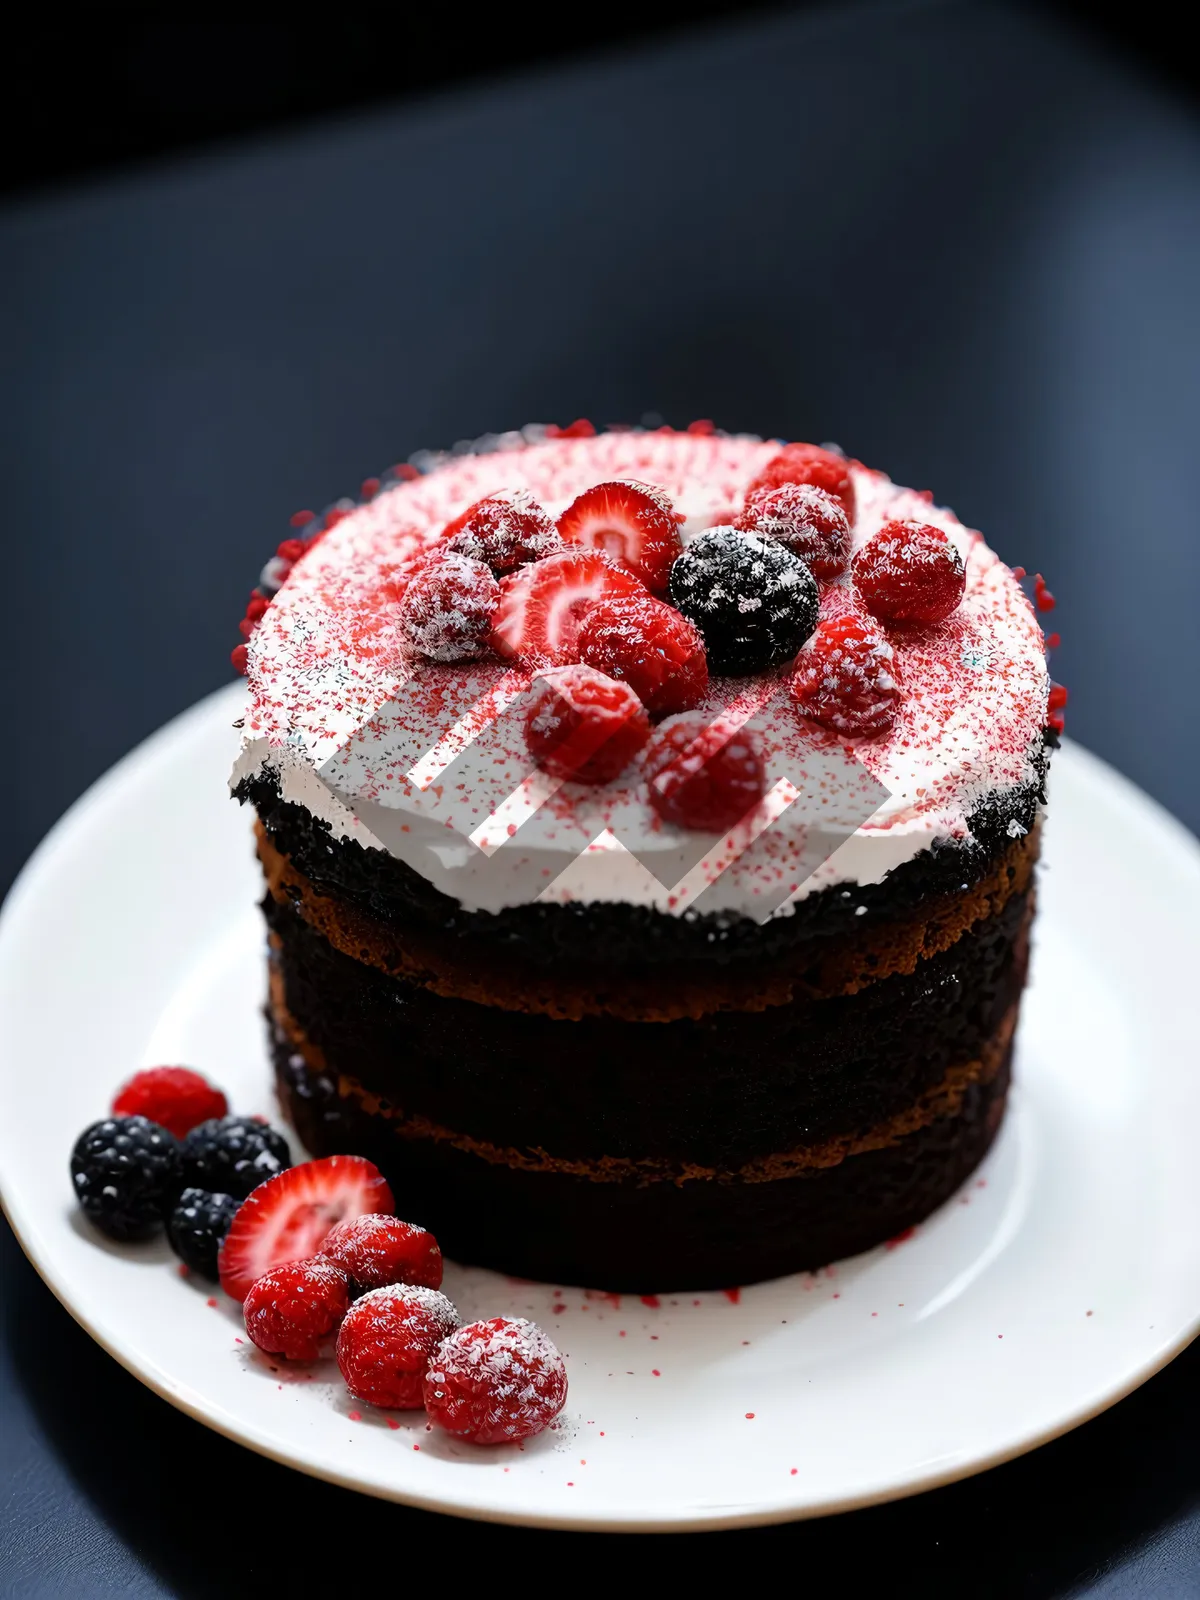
{"type": "Point", "coordinates": [960, 239]}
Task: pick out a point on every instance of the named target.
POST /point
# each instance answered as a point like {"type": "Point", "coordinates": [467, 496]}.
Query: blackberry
{"type": "Point", "coordinates": [197, 1226]}
{"type": "Point", "coordinates": [752, 599]}
{"type": "Point", "coordinates": [126, 1171]}
{"type": "Point", "coordinates": [232, 1155]}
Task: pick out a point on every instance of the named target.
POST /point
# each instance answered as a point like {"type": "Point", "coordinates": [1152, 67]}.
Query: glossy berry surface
{"type": "Point", "coordinates": [386, 1342]}
{"type": "Point", "coordinates": [846, 678]}
{"type": "Point", "coordinates": [702, 775]}
{"type": "Point", "coordinates": [503, 530]}
{"type": "Point", "coordinates": [910, 574]}
{"type": "Point", "coordinates": [197, 1226]}
{"type": "Point", "coordinates": [751, 598]}
{"type": "Point", "coordinates": [177, 1098]}
{"type": "Point", "coordinates": [809, 521]}
{"type": "Point", "coordinates": [542, 605]}
{"type": "Point", "coordinates": [125, 1172]}
{"type": "Point", "coordinates": [378, 1250]}
{"type": "Point", "coordinates": [584, 725]}
{"type": "Point", "coordinates": [233, 1155]}
{"type": "Point", "coordinates": [634, 524]}
{"type": "Point", "coordinates": [446, 613]}
{"type": "Point", "coordinates": [496, 1382]}
{"type": "Point", "coordinates": [651, 647]}
{"type": "Point", "coordinates": [808, 463]}
{"type": "Point", "coordinates": [294, 1310]}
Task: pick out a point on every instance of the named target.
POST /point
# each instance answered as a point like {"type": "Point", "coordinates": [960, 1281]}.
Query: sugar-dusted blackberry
{"type": "Point", "coordinates": [233, 1155]}
{"type": "Point", "coordinates": [752, 599]}
{"type": "Point", "coordinates": [197, 1226]}
{"type": "Point", "coordinates": [126, 1171]}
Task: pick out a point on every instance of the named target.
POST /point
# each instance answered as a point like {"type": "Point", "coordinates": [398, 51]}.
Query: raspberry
{"type": "Point", "coordinates": [702, 774]}
{"type": "Point", "coordinates": [387, 1340]}
{"type": "Point", "coordinates": [447, 609]}
{"type": "Point", "coordinates": [503, 530]}
{"type": "Point", "coordinates": [807, 463]}
{"type": "Point", "coordinates": [292, 1310]}
{"type": "Point", "coordinates": [584, 725]}
{"type": "Point", "coordinates": [651, 647]}
{"type": "Point", "coordinates": [379, 1250]}
{"type": "Point", "coordinates": [496, 1381]}
{"type": "Point", "coordinates": [846, 677]}
{"type": "Point", "coordinates": [175, 1097]}
{"type": "Point", "coordinates": [809, 521]}
{"type": "Point", "coordinates": [909, 572]}
{"type": "Point", "coordinates": [752, 599]}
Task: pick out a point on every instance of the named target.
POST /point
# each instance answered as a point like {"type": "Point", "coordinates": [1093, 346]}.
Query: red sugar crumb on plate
{"type": "Point", "coordinates": [732, 1295]}
{"type": "Point", "coordinates": [750, 1416]}
{"type": "Point", "coordinates": [355, 1416]}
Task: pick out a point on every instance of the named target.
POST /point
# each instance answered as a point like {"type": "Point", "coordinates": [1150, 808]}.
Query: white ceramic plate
{"type": "Point", "coordinates": [1061, 1277]}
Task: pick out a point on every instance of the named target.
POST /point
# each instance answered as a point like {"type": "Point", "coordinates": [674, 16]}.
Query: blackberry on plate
{"type": "Point", "coordinates": [197, 1226]}
{"type": "Point", "coordinates": [233, 1155]}
{"type": "Point", "coordinates": [752, 599]}
{"type": "Point", "coordinates": [126, 1171]}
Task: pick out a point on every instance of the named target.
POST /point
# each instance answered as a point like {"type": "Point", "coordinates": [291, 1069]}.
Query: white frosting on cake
{"type": "Point", "coordinates": [363, 737]}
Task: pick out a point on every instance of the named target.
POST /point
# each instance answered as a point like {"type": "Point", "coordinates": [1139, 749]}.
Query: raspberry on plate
{"type": "Point", "coordinates": [812, 524]}
{"type": "Point", "coordinates": [386, 1342]}
{"type": "Point", "coordinates": [447, 609]}
{"type": "Point", "coordinates": [703, 774]}
{"type": "Point", "coordinates": [125, 1171]}
{"type": "Point", "coordinates": [846, 677]}
{"type": "Point", "coordinates": [808, 463]}
{"type": "Point", "coordinates": [232, 1155]}
{"type": "Point", "coordinates": [542, 605]}
{"type": "Point", "coordinates": [197, 1227]}
{"type": "Point", "coordinates": [289, 1217]}
{"type": "Point", "coordinates": [296, 1308]}
{"type": "Point", "coordinates": [503, 530]}
{"type": "Point", "coordinates": [378, 1250]}
{"type": "Point", "coordinates": [909, 572]}
{"type": "Point", "coordinates": [175, 1097]}
{"type": "Point", "coordinates": [584, 726]}
{"type": "Point", "coordinates": [652, 647]}
{"type": "Point", "coordinates": [496, 1381]}
{"type": "Point", "coordinates": [752, 599]}
{"type": "Point", "coordinates": [634, 524]}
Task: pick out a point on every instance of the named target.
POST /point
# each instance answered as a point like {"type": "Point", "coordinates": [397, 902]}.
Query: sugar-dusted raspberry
{"type": "Point", "coordinates": [808, 463]}
{"type": "Point", "coordinates": [177, 1098]}
{"type": "Point", "coordinates": [909, 573]}
{"type": "Point", "coordinates": [294, 1309]}
{"type": "Point", "coordinates": [503, 530]}
{"type": "Point", "coordinates": [378, 1250]}
{"type": "Point", "coordinates": [584, 725]}
{"type": "Point", "coordinates": [447, 609]}
{"type": "Point", "coordinates": [704, 774]}
{"type": "Point", "coordinates": [846, 677]}
{"type": "Point", "coordinates": [810, 521]}
{"type": "Point", "coordinates": [651, 647]}
{"type": "Point", "coordinates": [387, 1340]}
{"type": "Point", "coordinates": [495, 1382]}
{"type": "Point", "coordinates": [752, 599]}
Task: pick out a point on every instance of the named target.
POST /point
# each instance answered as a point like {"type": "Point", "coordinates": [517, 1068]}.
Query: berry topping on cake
{"type": "Point", "coordinates": [808, 463]}
{"type": "Point", "coordinates": [446, 613]}
{"type": "Point", "coordinates": [542, 605]}
{"type": "Point", "coordinates": [846, 677]}
{"type": "Point", "coordinates": [496, 1381]}
{"type": "Point", "coordinates": [175, 1097]}
{"type": "Point", "coordinates": [125, 1170]}
{"type": "Point", "coordinates": [197, 1227]}
{"type": "Point", "coordinates": [289, 1217]}
{"type": "Point", "coordinates": [909, 573]}
{"type": "Point", "coordinates": [503, 530]}
{"type": "Point", "coordinates": [634, 524]}
{"type": "Point", "coordinates": [295, 1309]}
{"type": "Point", "coordinates": [808, 520]}
{"type": "Point", "coordinates": [585, 725]}
{"type": "Point", "coordinates": [232, 1155]}
{"type": "Point", "coordinates": [387, 1340]}
{"type": "Point", "coordinates": [752, 599]}
{"type": "Point", "coordinates": [651, 647]}
{"type": "Point", "coordinates": [704, 774]}
{"type": "Point", "coordinates": [378, 1250]}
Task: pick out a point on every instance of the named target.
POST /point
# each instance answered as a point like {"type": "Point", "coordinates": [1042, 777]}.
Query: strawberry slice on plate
{"type": "Point", "coordinates": [634, 524]}
{"type": "Point", "coordinates": [288, 1217]}
{"type": "Point", "coordinates": [542, 605]}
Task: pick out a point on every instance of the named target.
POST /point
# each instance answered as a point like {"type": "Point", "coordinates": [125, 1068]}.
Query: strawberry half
{"type": "Point", "coordinates": [542, 605]}
{"type": "Point", "coordinates": [634, 524]}
{"type": "Point", "coordinates": [288, 1217]}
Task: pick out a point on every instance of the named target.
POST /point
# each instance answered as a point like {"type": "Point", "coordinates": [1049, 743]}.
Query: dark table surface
{"type": "Point", "coordinates": [956, 238]}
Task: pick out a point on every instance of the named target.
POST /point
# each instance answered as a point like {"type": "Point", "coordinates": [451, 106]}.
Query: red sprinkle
{"type": "Point", "coordinates": [301, 519]}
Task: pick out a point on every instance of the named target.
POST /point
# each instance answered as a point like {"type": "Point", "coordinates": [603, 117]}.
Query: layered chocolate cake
{"type": "Point", "coordinates": [648, 822]}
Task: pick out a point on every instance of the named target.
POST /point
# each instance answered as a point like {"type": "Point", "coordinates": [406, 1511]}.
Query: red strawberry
{"type": "Point", "coordinates": [542, 605]}
{"type": "Point", "coordinates": [177, 1098]}
{"type": "Point", "coordinates": [584, 725]}
{"type": "Point", "coordinates": [288, 1217]}
{"type": "Point", "coordinates": [808, 463]}
{"type": "Point", "coordinates": [634, 524]}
